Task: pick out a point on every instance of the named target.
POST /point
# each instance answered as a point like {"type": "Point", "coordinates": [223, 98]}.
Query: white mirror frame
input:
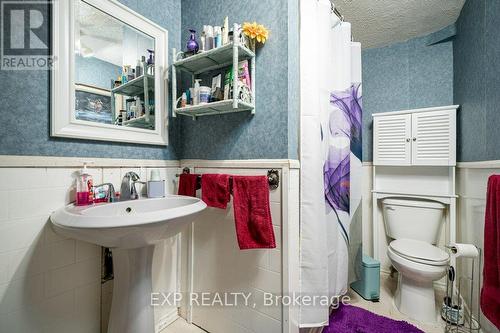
{"type": "Point", "coordinates": [63, 120]}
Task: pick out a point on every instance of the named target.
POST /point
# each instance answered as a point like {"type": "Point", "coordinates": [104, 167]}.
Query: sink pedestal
{"type": "Point", "coordinates": [130, 229]}
{"type": "Point", "coordinates": [131, 310]}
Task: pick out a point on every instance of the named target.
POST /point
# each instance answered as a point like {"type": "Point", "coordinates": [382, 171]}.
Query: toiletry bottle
{"type": "Point", "coordinates": [138, 106]}
{"type": "Point", "coordinates": [202, 41]}
{"type": "Point", "coordinates": [144, 67]}
{"type": "Point", "coordinates": [225, 31]}
{"type": "Point", "coordinates": [209, 37]}
{"type": "Point", "coordinates": [192, 46]}
{"type": "Point", "coordinates": [138, 68]}
{"type": "Point", "coordinates": [124, 75]}
{"type": "Point", "coordinates": [133, 112]}
{"type": "Point", "coordinates": [196, 92]}
{"type": "Point", "coordinates": [151, 62]}
{"type": "Point", "coordinates": [84, 188]}
{"type": "Point", "coordinates": [217, 37]}
{"type": "Point", "coordinates": [183, 100]}
{"type": "Point", "coordinates": [189, 96]}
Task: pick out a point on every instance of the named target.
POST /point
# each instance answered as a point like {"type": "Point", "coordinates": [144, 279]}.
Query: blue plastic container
{"type": "Point", "coordinates": [368, 286]}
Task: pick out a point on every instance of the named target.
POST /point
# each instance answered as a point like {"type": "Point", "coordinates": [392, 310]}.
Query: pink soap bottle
{"type": "Point", "coordinates": [84, 188]}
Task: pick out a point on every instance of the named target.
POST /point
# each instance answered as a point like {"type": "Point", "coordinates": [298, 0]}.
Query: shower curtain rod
{"type": "Point", "coordinates": [336, 11]}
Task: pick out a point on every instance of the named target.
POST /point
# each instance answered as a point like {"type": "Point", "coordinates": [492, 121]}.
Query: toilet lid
{"type": "Point", "coordinates": [419, 251]}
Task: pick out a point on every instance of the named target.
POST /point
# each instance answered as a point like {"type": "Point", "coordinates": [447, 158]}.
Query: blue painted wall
{"type": "Point", "coordinates": [477, 80]}
{"type": "Point", "coordinates": [95, 72]}
{"type": "Point", "coordinates": [412, 74]}
{"type": "Point", "coordinates": [25, 98]}
{"type": "Point", "coordinates": [272, 132]}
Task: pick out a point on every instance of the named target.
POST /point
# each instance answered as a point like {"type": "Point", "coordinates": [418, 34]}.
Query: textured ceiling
{"type": "Point", "coordinates": [378, 23]}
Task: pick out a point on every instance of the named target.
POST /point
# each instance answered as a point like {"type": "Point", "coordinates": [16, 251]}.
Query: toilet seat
{"type": "Point", "coordinates": [420, 252]}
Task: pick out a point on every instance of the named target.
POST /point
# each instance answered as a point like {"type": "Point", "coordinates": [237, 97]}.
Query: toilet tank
{"type": "Point", "coordinates": [413, 219]}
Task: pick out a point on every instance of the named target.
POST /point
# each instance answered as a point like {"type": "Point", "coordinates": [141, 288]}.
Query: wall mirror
{"type": "Point", "coordinates": [109, 76]}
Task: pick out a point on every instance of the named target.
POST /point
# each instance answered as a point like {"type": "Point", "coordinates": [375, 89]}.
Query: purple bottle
{"type": "Point", "coordinates": [192, 44]}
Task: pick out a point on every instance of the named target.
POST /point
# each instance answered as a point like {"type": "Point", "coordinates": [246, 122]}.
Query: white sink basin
{"type": "Point", "coordinates": [127, 224]}
{"type": "Point", "coordinates": [131, 229]}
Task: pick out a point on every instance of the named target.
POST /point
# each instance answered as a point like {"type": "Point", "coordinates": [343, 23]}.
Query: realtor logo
{"type": "Point", "coordinates": [25, 32]}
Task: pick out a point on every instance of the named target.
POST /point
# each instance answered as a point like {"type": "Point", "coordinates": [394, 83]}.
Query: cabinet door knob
{"type": "Point", "coordinates": [408, 140]}
{"type": "Point", "coordinates": [414, 139]}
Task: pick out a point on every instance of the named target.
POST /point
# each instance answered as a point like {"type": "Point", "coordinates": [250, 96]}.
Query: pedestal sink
{"type": "Point", "coordinates": [131, 229]}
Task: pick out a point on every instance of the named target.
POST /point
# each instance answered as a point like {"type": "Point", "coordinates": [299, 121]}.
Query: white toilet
{"type": "Point", "coordinates": [415, 225]}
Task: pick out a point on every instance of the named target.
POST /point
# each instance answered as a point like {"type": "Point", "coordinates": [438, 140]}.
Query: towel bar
{"type": "Point", "coordinates": [273, 177]}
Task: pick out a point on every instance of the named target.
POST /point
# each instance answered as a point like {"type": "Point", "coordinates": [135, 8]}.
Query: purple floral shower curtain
{"type": "Point", "coordinates": [330, 157]}
{"type": "Point", "coordinates": [344, 126]}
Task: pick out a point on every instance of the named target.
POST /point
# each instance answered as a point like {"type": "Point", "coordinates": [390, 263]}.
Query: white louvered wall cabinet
{"type": "Point", "coordinates": [415, 137]}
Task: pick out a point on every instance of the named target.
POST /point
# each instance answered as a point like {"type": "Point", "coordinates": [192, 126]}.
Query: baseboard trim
{"type": "Point", "coordinates": [25, 161]}
{"type": "Point", "coordinates": [21, 161]}
{"type": "Point", "coordinates": [494, 164]}
{"type": "Point", "coordinates": [242, 164]}
{"type": "Point", "coordinates": [167, 319]}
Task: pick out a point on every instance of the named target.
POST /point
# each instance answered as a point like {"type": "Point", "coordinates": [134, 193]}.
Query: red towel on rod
{"type": "Point", "coordinates": [254, 227]}
{"type": "Point", "coordinates": [490, 293]}
{"type": "Point", "coordinates": [188, 184]}
{"type": "Point", "coordinates": [215, 190]}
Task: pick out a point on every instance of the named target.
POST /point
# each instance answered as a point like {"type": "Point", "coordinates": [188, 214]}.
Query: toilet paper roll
{"type": "Point", "coordinates": [464, 250]}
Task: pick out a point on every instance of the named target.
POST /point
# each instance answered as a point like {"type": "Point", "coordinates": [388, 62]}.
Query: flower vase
{"type": "Point", "coordinates": [251, 44]}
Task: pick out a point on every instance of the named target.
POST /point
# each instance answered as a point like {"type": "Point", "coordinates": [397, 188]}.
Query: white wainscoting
{"type": "Point", "coordinates": [472, 180]}
{"type": "Point", "coordinates": [215, 263]}
{"type": "Point", "coordinates": [49, 283]}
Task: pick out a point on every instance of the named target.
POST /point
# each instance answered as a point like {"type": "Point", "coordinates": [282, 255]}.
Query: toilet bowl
{"type": "Point", "coordinates": [419, 264]}
{"type": "Point", "coordinates": [414, 225]}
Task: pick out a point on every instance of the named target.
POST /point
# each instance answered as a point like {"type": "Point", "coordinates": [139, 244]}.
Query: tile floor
{"type": "Point", "coordinates": [181, 326]}
{"type": "Point", "coordinates": [384, 307]}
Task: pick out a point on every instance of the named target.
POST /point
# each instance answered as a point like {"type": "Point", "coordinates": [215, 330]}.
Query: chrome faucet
{"type": "Point", "coordinates": [127, 189]}
{"type": "Point", "coordinates": [110, 194]}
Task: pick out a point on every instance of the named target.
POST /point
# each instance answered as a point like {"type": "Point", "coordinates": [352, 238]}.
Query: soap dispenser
{"type": "Point", "coordinates": [84, 188]}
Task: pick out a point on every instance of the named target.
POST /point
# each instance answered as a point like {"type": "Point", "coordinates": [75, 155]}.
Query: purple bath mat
{"type": "Point", "coordinates": [351, 319]}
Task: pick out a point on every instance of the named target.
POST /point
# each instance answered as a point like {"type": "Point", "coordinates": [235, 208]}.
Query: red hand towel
{"type": "Point", "coordinates": [252, 215]}
{"type": "Point", "coordinates": [490, 293]}
{"type": "Point", "coordinates": [188, 184]}
{"type": "Point", "coordinates": [215, 190]}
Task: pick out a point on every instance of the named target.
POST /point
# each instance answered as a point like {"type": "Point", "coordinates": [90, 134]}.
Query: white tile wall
{"type": "Point", "coordinates": [40, 271]}
{"type": "Point", "coordinates": [471, 190]}
{"type": "Point", "coordinates": [220, 266]}
{"type": "Point", "coordinates": [49, 283]}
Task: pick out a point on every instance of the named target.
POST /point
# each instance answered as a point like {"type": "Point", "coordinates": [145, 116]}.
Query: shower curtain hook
{"type": "Point", "coordinates": [336, 11]}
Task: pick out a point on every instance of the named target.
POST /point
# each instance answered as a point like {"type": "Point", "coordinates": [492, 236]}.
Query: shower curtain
{"type": "Point", "coordinates": [330, 155]}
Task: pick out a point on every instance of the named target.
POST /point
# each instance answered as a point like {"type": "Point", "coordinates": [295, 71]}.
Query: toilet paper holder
{"type": "Point", "coordinates": [458, 309]}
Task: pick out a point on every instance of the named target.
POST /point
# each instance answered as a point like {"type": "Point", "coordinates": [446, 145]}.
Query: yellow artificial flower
{"type": "Point", "coordinates": [262, 34]}
{"type": "Point", "coordinates": [256, 31]}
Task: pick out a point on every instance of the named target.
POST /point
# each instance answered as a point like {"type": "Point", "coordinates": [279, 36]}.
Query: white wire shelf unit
{"type": "Point", "coordinates": [217, 58]}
